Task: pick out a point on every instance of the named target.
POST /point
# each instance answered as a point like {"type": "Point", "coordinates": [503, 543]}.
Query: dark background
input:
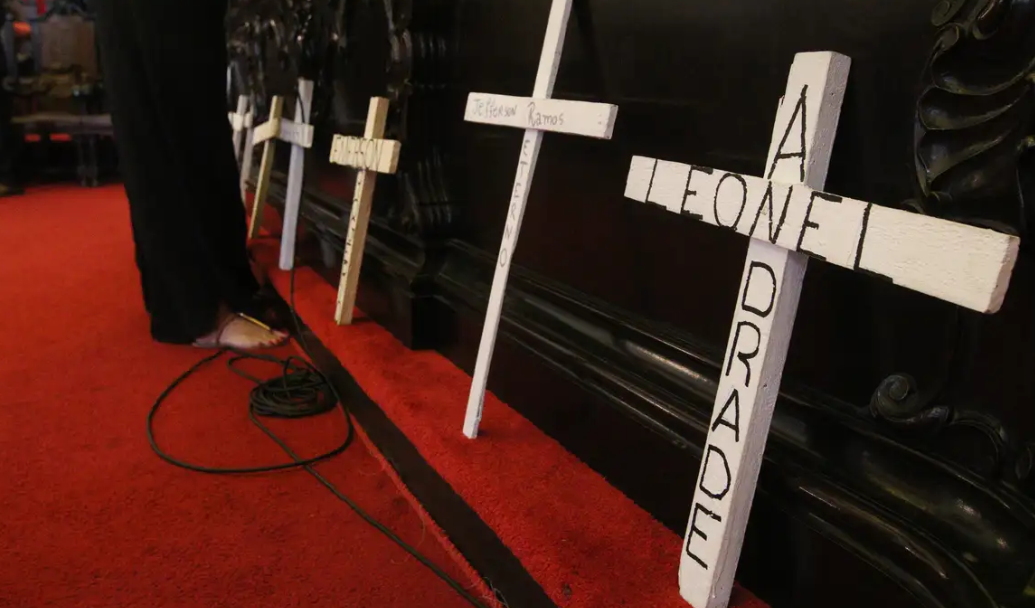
{"type": "Point", "coordinates": [617, 312]}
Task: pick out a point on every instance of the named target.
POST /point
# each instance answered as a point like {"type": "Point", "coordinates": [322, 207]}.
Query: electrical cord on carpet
{"type": "Point", "coordinates": [301, 390]}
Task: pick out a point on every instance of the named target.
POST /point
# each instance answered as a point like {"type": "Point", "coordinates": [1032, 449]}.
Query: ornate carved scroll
{"type": "Point", "coordinates": [975, 115]}
{"type": "Point", "coordinates": [975, 125]}
{"type": "Point", "coordinates": [974, 129]}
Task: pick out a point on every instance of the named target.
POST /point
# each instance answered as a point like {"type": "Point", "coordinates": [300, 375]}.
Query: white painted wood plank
{"type": "Point", "coordinates": [381, 155]}
{"type": "Point", "coordinates": [267, 130]}
{"type": "Point", "coordinates": [296, 171]}
{"type": "Point", "coordinates": [553, 46]}
{"type": "Point", "coordinates": [265, 169]}
{"type": "Point", "coordinates": [549, 62]}
{"type": "Point", "coordinates": [965, 265]}
{"type": "Point", "coordinates": [757, 349]}
{"type": "Point", "coordinates": [515, 214]}
{"type": "Point", "coordinates": [359, 219]}
{"type": "Point", "coordinates": [295, 133]}
{"type": "Point", "coordinates": [558, 115]}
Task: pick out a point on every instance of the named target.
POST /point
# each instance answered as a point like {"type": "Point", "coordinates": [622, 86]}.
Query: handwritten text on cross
{"type": "Point", "coordinates": [381, 155]}
{"type": "Point", "coordinates": [961, 264]}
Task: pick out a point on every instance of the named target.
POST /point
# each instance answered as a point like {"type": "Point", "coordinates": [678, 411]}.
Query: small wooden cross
{"type": "Point", "coordinates": [241, 124]}
{"type": "Point", "coordinates": [299, 134]}
{"type": "Point", "coordinates": [370, 153]}
{"type": "Point", "coordinates": [788, 220]}
{"type": "Point", "coordinates": [533, 114]}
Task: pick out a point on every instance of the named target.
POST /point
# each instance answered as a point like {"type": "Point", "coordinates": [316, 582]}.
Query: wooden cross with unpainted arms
{"type": "Point", "coordinates": [535, 115]}
{"type": "Point", "coordinates": [299, 134]}
{"type": "Point", "coordinates": [369, 155]}
{"type": "Point", "coordinates": [789, 219]}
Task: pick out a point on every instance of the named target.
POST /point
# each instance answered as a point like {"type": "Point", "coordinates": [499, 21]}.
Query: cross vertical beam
{"type": "Point", "coordinates": [266, 166]}
{"type": "Point", "coordinates": [246, 156]}
{"type": "Point", "coordinates": [767, 304]}
{"type": "Point", "coordinates": [536, 114]}
{"type": "Point", "coordinates": [238, 123]}
{"type": "Point", "coordinates": [296, 168]}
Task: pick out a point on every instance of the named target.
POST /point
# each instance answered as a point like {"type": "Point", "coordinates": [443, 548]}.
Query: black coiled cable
{"type": "Point", "coordinates": [301, 390]}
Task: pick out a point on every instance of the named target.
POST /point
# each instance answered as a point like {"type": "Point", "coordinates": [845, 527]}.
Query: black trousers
{"type": "Point", "coordinates": [9, 144]}
{"type": "Point", "coordinates": [164, 65]}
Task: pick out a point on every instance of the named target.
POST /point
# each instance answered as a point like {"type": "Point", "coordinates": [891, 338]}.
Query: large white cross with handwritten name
{"type": "Point", "coordinates": [299, 134]}
{"type": "Point", "coordinates": [241, 123]}
{"type": "Point", "coordinates": [370, 153]}
{"type": "Point", "coordinates": [535, 115]}
{"type": "Point", "coordinates": [789, 219]}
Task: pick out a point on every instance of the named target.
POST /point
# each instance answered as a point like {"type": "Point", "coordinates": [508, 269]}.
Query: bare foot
{"type": "Point", "coordinates": [242, 333]}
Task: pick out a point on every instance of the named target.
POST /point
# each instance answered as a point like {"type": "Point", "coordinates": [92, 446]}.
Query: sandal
{"type": "Point", "coordinates": [241, 332]}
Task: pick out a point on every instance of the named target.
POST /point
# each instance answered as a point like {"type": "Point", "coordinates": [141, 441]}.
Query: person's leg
{"type": "Point", "coordinates": [163, 65]}
{"type": "Point", "coordinates": [9, 147]}
{"type": "Point", "coordinates": [9, 135]}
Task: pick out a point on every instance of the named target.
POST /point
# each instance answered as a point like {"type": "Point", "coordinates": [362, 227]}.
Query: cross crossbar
{"type": "Point", "coordinates": [267, 130]}
{"type": "Point", "coordinates": [240, 122]}
{"type": "Point", "coordinates": [380, 155]}
{"type": "Point", "coordinates": [961, 264]}
{"type": "Point", "coordinates": [288, 131]}
{"type": "Point", "coordinates": [585, 118]}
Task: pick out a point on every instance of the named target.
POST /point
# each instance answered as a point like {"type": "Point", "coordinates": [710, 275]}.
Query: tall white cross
{"type": "Point", "coordinates": [535, 115]}
{"type": "Point", "coordinates": [789, 219]}
{"type": "Point", "coordinates": [370, 153]}
{"type": "Point", "coordinates": [243, 129]}
{"type": "Point", "coordinates": [299, 134]}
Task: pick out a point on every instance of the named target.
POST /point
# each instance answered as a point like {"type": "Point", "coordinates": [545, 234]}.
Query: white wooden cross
{"type": "Point", "coordinates": [243, 129]}
{"type": "Point", "coordinates": [299, 134]}
{"type": "Point", "coordinates": [789, 219]}
{"type": "Point", "coordinates": [370, 153]}
{"type": "Point", "coordinates": [535, 115]}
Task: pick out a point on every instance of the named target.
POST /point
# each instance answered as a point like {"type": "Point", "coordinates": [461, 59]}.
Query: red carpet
{"type": "Point", "coordinates": [90, 517]}
{"type": "Point", "coordinates": [587, 544]}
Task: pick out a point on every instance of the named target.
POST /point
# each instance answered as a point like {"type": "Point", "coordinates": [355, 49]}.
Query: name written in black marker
{"type": "Point", "coordinates": [538, 119]}
{"type": "Point", "coordinates": [791, 216]}
{"type": "Point", "coordinates": [757, 302]}
{"type": "Point", "coordinates": [357, 153]}
{"type": "Point", "coordinates": [490, 108]}
{"type": "Point", "coordinates": [722, 198]}
{"type": "Point", "coordinates": [510, 229]}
